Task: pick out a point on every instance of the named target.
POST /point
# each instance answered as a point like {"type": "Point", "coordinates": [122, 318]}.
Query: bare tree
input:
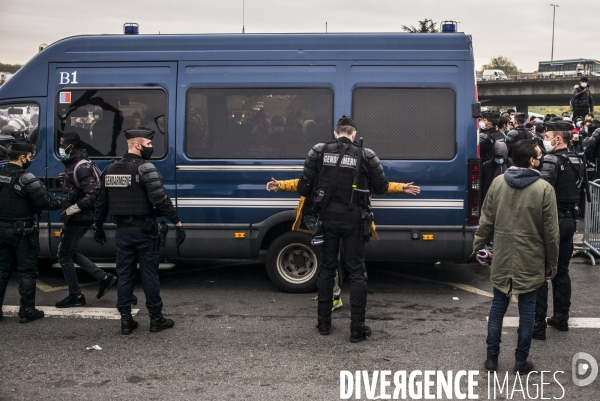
{"type": "Point", "coordinates": [425, 26]}
{"type": "Point", "coordinates": [501, 63]}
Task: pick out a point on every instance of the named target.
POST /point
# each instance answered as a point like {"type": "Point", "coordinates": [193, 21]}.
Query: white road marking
{"type": "Point", "coordinates": [464, 287]}
{"type": "Point", "coordinates": [574, 322]}
{"type": "Point", "coordinates": [79, 312]}
{"type": "Point", "coordinates": [48, 288]}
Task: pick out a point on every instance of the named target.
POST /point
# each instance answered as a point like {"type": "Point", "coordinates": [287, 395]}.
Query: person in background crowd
{"type": "Point", "coordinates": [494, 167]}
{"type": "Point", "coordinates": [538, 135]}
{"type": "Point", "coordinates": [517, 133]}
{"type": "Point", "coordinates": [503, 127]}
{"type": "Point", "coordinates": [582, 101]}
{"type": "Point", "coordinates": [519, 211]}
{"type": "Point", "coordinates": [488, 132]}
{"type": "Point", "coordinates": [591, 146]}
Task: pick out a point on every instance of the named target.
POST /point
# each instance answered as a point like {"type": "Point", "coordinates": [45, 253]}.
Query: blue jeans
{"type": "Point", "coordinates": [526, 321]}
{"type": "Point", "coordinates": [134, 246]}
{"type": "Point", "coordinates": [70, 235]}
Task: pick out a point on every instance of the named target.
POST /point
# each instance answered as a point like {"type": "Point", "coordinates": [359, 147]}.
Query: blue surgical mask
{"type": "Point", "coordinates": [583, 84]}
{"type": "Point", "coordinates": [578, 124]}
{"type": "Point", "coordinates": [63, 152]}
{"type": "Point", "coordinates": [499, 160]}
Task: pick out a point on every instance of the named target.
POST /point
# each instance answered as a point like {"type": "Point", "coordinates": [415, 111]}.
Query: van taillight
{"type": "Point", "coordinates": [474, 191]}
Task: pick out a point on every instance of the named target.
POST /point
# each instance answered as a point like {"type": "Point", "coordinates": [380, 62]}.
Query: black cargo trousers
{"type": "Point", "coordinates": [561, 283]}
{"type": "Point", "coordinates": [354, 254]}
{"type": "Point", "coordinates": [19, 251]}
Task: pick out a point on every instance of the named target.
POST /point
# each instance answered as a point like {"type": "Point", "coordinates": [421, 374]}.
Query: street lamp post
{"type": "Point", "coordinates": [553, 17]}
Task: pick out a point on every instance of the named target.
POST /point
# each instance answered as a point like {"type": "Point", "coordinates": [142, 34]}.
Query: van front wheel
{"type": "Point", "coordinates": [292, 263]}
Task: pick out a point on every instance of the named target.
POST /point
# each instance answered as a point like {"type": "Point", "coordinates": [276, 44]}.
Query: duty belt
{"type": "Point", "coordinates": [11, 223]}
{"type": "Point", "coordinates": [131, 220]}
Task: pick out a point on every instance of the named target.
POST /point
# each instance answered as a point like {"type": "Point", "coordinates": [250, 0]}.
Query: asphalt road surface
{"type": "Point", "coordinates": [237, 337]}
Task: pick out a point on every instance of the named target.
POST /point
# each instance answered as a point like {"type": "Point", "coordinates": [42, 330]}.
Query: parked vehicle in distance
{"type": "Point", "coordinates": [494, 75]}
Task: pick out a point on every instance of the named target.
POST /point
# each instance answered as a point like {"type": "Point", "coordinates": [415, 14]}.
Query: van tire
{"type": "Point", "coordinates": [293, 263]}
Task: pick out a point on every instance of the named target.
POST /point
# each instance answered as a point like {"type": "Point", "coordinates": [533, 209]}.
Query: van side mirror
{"type": "Point", "coordinates": [476, 110]}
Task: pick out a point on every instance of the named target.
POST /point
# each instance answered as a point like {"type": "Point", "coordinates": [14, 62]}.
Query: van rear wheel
{"type": "Point", "coordinates": [292, 263]}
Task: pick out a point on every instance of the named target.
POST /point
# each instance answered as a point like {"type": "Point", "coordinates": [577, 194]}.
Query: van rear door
{"type": "Point", "coordinates": [99, 101]}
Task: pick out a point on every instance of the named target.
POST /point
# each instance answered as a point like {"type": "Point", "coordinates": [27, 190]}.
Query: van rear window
{"type": "Point", "coordinates": [100, 116]}
{"type": "Point", "coordinates": [407, 123]}
{"type": "Point", "coordinates": [257, 123]}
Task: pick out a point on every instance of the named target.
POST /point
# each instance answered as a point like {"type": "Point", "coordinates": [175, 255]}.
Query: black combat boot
{"type": "Point", "coordinates": [158, 323]}
{"type": "Point", "coordinates": [539, 330]}
{"type": "Point", "coordinates": [358, 331]}
{"type": "Point", "coordinates": [559, 322]}
{"type": "Point", "coordinates": [127, 323]}
{"type": "Point", "coordinates": [105, 284]}
{"type": "Point", "coordinates": [71, 301]}
{"type": "Point", "coordinates": [324, 325]}
{"type": "Point", "coordinates": [491, 363]}
{"type": "Point", "coordinates": [29, 314]}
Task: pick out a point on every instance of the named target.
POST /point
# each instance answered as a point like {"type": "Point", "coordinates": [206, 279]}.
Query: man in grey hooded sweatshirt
{"type": "Point", "coordinates": [520, 212]}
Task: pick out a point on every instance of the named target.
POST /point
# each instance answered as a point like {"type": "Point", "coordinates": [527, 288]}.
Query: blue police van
{"type": "Point", "coordinates": [232, 111]}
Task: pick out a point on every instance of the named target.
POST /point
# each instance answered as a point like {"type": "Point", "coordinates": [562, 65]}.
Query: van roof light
{"type": "Point", "coordinates": [131, 28]}
{"type": "Point", "coordinates": [449, 26]}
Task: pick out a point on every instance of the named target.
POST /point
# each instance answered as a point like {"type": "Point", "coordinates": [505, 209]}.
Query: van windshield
{"type": "Point", "coordinates": [18, 122]}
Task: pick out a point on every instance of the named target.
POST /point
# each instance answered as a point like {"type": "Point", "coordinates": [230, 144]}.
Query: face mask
{"type": "Point", "coordinates": [548, 146]}
{"type": "Point", "coordinates": [583, 84]}
{"type": "Point", "coordinates": [499, 160]}
{"type": "Point", "coordinates": [482, 125]}
{"type": "Point", "coordinates": [578, 124]}
{"type": "Point", "coordinates": [147, 152]}
{"type": "Point", "coordinates": [541, 160]}
{"type": "Point", "coordinates": [26, 164]}
{"type": "Point", "coordinates": [63, 152]}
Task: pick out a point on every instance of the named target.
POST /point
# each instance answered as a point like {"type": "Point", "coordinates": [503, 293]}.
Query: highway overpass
{"type": "Point", "coordinates": [532, 92]}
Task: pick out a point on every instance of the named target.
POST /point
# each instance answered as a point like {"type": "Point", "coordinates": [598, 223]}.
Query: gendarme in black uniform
{"type": "Point", "coordinates": [132, 190]}
{"type": "Point", "coordinates": [22, 196]}
{"type": "Point", "coordinates": [564, 170]}
{"type": "Point", "coordinates": [328, 178]}
{"type": "Point", "coordinates": [489, 135]}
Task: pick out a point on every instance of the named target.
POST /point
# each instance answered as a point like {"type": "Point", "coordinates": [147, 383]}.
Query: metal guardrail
{"type": "Point", "coordinates": [591, 233]}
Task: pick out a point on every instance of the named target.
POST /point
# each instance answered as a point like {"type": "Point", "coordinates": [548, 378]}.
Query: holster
{"type": "Point", "coordinates": [313, 224]}
{"type": "Point", "coordinates": [366, 220]}
{"type": "Point", "coordinates": [149, 226]}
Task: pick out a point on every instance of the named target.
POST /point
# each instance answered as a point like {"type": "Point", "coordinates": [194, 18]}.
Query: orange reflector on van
{"type": "Point", "coordinates": [57, 233]}
{"type": "Point", "coordinates": [427, 237]}
{"type": "Point", "coordinates": [239, 235]}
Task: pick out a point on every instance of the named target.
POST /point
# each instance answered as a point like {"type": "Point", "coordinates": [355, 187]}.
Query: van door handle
{"type": "Point", "coordinates": [53, 184]}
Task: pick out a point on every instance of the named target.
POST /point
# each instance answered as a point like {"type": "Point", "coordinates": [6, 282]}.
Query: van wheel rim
{"type": "Point", "coordinates": [297, 263]}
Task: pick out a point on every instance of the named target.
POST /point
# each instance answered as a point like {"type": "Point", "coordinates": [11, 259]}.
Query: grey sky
{"type": "Point", "coordinates": [518, 29]}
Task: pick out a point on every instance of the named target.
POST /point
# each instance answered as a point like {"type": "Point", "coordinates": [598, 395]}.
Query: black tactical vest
{"type": "Point", "coordinates": [14, 203]}
{"type": "Point", "coordinates": [127, 195]}
{"type": "Point", "coordinates": [338, 207]}
{"type": "Point", "coordinates": [569, 176]}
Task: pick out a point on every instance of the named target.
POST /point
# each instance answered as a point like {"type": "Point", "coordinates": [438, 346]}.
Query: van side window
{"type": "Point", "coordinates": [407, 123]}
{"type": "Point", "coordinates": [18, 122]}
{"type": "Point", "coordinates": [257, 123]}
{"type": "Point", "coordinates": [100, 116]}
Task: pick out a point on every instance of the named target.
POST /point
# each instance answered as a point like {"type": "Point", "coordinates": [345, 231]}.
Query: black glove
{"type": "Point", "coordinates": [99, 235]}
{"type": "Point", "coordinates": [180, 234]}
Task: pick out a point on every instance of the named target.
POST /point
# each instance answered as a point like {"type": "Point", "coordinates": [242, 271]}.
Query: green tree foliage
{"type": "Point", "coordinates": [501, 63]}
{"type": "Point", "coordinates": [12, 68]}
{"type": "Point", "coordinates": [425, 26]}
